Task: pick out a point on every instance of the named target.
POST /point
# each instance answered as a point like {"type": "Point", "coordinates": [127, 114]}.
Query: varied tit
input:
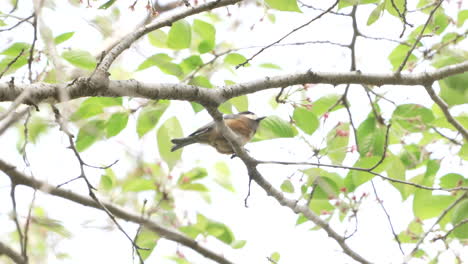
{"type": "Point", "coordinates": [244, 124]}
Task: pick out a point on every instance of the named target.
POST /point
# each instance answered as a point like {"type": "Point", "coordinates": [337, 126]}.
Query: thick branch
{"type": "Point", "coordinates": [81, 88]}
{"type": "Point", "coordinates": [377, 79]}
{"type": "Point", "coordinates": [13, 255]}
{"type": "Point", "coordinates": [21, 179]}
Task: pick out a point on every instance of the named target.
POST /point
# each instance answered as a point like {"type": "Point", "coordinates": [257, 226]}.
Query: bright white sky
{"type": "Point", "coordinates": [265, 225]}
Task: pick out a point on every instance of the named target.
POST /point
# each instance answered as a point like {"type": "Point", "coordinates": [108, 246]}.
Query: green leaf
{"type": "Point", "coordinates": [287, 186]}
{"type": "Point", "coordinates": [426, 205]}
{"type": "Point", "coordinates": [241, 103]}
{"type": "Point", "coordinates": [191, 63]}
{"type": "Point", "coordinates": [107, 4]}
{"type": "Point", "coordinates": [194, 187]}
{"type": "Point", "coordinates": [89, 133]}
{"type": "Point", "coordinates": [146, 239]}
{"type": "Point", "coordinates": [270, 66]}
{"type": "Point", "coordinates": [397, 170]}
{"type": "Point", "coordinates": [275, 256]}
{"type": "Point", "coordinates": [452, 180]}
{"type": "Point", "coordinates": [390, 7]}
{"type": "Point", "coordinates": [236, 244]}
{"type": "Point", "coordinates": [371, 137]}
{"type": "Point", "coordinates": [16, 48]}
{"type": "Point", "coordinates": [453, 89]}
{"type": "Point", "coordinates": [274, 127]}
{"type": "Point", "coordinates": [320, 206]}
{"type": "Point", "coordinates": [460, 213]}
{"type": "Point", "coordinates": [439, 22]}
{"type": "Point", "coordinates": [192, 175]}
{"type": "Point", "coordinates": [63, 37]}
{"type": "Point", "coordinates": [337, 143]}
{"type": "Point", "coordinates": [138, 185]}
{"type": "Point", "coordinates": [223, 176]}
{"type": "Point", "coordinates": [20, 62]}
{"type": "Point", "coordinates": [80, 58]}
{"type": "Point", "coordinates": [36, 127]}
{"type": "Point", "coordinates": [235, 59]}
{"type": "Point", "coordinates": [397, 56]}
{"type": "Point", "coordinates": [359, 177]}
{"type": "Point", "coordinates": [201, 81]}
{"type": "Point", "coordinates": [462, 17]}
{"type": "Point", "coordinates": [149, 116]}
{"type": "Point", "coordinates": [116, 123]}
{"type": "Point", "coordinates": [163, 62]}
{"type": "Point", "coordinates": [412, 156]}
{"type": "Point", "coordinates": [94, 106]}
{"type": "Point", "coordinates": [207, 32]}
{"type": "Point", "coordinates": [180, 35]}
{"type": "Point", "coordinates": [169, 130]}
{"type": "Point", "coordinates": [220, 231]}
{"type": "Point", "coordinates": [306, 120]}
{"type": "Point", "coordinates": [323, 104]}
{"type": "Point", "coordinates": [284, 5]}
{"type": "Point", "coordinates": [463, 153]}
{"type": "Point", "coordinates": [158, 38]}
{"type": "Point", "coordinates": [413, 117]}
{"type": "Point", "coordinates": [375, 14]}
{"type": "Point", "coordinates": [108, 180]}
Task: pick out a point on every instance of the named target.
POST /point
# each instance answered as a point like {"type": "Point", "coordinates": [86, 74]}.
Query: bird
{"type": "Point", "coordinates": [244, 124]}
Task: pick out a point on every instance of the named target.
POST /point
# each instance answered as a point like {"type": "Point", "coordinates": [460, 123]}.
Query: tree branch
{"type": "Point", "coordinates": [19, 178]}
{"type": "Point", "coordinates": [444, 107]}
{"type": "Point", "coordinates": [451, 206]}
{"type": "Point", "coordinates": [128, 40]}
{"type": "Point", "coordinates": [251, 165]}
{"type": "Point", "coordinates": [13, 255]}
{"type": "Point", "coordinates": [81, 88]}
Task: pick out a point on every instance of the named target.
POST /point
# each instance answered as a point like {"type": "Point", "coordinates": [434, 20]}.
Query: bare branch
{"type": "Point", "coordinates": [444, 107]}
{"type": "Point", "coordinates": [296, 163]}
{"type": "Point", "coordinates": [12, 254]}
{"type": "Point", "coordinates": [457, 225]}
{"type": "Point", "coordinates": [11, 63]}
{"type": "Point", "coordinates": [402, 65]}
{"type": "Point", "coordinates": [461, 198]}
{"type": "Point", "coordinates": [388, 217]}
{"type": "Point", "coordinates": [285, 36]}
{"type": "Point", "coordinates": [19, 178]}
{"type": "Point", "coordinates": [17, 24]}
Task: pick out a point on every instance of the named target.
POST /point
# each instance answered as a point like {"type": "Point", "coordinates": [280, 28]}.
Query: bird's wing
{"type": "Point", "coordinates": [203, 129]}
{"type": "Point", "coordinates": [209, 126]}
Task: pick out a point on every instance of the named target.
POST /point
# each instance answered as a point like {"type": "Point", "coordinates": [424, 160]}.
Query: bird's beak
{"type": "Point", "coordinates": [260, 118]}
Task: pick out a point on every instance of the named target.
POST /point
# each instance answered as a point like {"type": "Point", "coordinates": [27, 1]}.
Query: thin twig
{"type": "Point", "coordinates": [17, 24]}
{"type": "Point", "coordinates": [445, 109]}
{"type": "Point", "coordinates": [31, 50]}
{"type": "Point", "coordinates": [408, 54]}
{"type": "Point", "coordinates": [296, 163]}
{"type": "Point", "coordinates": [453, 140]}
{"type": "Point", "coordinates": [285, 36]}
{"type": "Point", "coordinates": [461, 198]}
{"type": "Point", "coordinates": [388, 217]}
{"type": "Point", "coordinates": [11, 63]}
{"type": "Point", "coordinates": [457, 225]}
{"type": "Point", "coordinates": [91, 189]}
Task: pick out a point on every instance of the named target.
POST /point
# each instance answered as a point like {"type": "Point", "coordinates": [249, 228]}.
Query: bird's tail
{"type": "Point", "coordinates": [182, 142]}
